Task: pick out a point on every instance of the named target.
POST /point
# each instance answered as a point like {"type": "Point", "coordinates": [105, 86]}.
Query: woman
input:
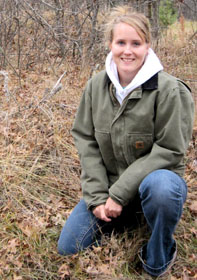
{"type": "Point", "coordinates": [132, 130]}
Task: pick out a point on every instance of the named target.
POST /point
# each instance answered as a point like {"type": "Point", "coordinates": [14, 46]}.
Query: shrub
{"type": "Point", "coordinates": [167, 13]}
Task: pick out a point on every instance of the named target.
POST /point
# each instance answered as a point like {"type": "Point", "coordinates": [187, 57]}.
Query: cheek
{"type": "Point", "coordinates": [115, 52]}
{"type": "Point", "coordinates": [143, 55]}
{"type": "Point", "coordinates": [146, 51]}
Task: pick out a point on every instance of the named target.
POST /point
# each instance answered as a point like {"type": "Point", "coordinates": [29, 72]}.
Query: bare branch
{"type": "Point", "coordinates": [5, 88]}
{"type": "Point", "coordinates": [57, 87]}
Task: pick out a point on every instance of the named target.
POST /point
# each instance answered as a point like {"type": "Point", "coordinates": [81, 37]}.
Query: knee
{"type": "Point", "coordinates": [159, 187]}
{"type": "Point", "coordinates": [67, 243]}
{"type": "Point", "coordinates": [65, 248]}
{"type": "Point", "coordinates": [61, 249]}
{"type": "Point", "coordinates": [70, 237]}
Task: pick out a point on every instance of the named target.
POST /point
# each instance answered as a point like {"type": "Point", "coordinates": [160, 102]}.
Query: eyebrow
{"type": "Point", "coordinates": [133, 40]}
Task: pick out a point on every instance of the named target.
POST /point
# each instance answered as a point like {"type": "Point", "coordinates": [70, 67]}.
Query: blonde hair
{"type": "Point", "coordinates": [127, 14]}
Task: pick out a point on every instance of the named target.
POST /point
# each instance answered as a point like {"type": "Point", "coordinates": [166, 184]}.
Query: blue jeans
{"type": "Point", "coordinates": [162, 194]}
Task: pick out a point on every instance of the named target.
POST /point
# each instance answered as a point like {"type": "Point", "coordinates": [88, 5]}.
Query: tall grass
{"type": "Point", "coordinates": [176, 48]}
{"type": "Point", "coordinates": [39, 181]}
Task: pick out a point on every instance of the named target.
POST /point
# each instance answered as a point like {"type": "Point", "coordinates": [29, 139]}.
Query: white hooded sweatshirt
{"type": "Point", "coordinates": [151, 66]}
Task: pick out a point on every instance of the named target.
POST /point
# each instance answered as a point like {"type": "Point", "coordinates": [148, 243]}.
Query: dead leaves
{"type": "Point", "coordinates": [10, 256]}
{"type": "Point", "coordinates": [193, 207]}
{"type": "Point", "coordinates": [33, 228]}
{"type": "Point", "coordinates": [15, 277]}
{"type": "Point", "coordinates": [103, 269]}
{"type": "Point", "coordinates": [13, 245]}
{"type": "Point", "coordinates": [40, 184]}
{"type": "Point", "coordinates": [64, 271]}
{"type": "Point", "coordinates": [189, 274]}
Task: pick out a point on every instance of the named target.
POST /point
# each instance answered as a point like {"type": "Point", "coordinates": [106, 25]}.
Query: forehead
{"type": "Point", "coordinates": [125, 31]}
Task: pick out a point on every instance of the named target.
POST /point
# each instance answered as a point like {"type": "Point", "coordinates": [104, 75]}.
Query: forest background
{"type": "Point", "coordinates": [48, 50]}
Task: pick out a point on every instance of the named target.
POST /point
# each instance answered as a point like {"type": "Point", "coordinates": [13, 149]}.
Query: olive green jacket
{"type": "Point", "coordinates": [119, 145]}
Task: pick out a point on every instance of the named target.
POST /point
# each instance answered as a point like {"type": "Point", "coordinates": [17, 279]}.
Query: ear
{"type": "Point", "coordinates": [148, 45]}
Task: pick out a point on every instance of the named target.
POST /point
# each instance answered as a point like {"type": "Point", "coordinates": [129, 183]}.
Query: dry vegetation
{"type": "Point", "coordinates": [39, 181]}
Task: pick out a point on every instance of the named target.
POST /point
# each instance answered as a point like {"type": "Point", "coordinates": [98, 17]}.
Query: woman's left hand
{"type": "Point", "coordinates": [112, 209]}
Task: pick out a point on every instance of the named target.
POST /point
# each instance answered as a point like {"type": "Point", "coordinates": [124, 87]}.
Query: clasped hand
{"type": "Point", "coordinates": [109, 210]}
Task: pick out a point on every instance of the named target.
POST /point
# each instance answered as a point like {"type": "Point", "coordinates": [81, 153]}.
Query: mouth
{"type": "Point", "coordinates": [127, 59]}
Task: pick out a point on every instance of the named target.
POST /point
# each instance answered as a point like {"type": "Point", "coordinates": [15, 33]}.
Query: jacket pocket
{"type": "Point", "coordinates": [103, 139]}
{"type": "Point", "coordinates": [138, 145]}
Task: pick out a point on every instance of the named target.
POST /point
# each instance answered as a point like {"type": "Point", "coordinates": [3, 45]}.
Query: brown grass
{"type": "Point", "coordinates": [177, 51]}
{"type": "Point", "coordinates": [40, 179]}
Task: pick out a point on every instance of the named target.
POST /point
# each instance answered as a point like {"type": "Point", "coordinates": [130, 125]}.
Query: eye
{"type": "Point", "coordinates": [120, 42]}
{"type": "Point", "coordinates": [136, 43]}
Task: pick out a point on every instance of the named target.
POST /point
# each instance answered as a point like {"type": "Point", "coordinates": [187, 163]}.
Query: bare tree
{"type": "Point", "coordinates": [188, 8]}
{"type": "Point", "coordinates": [33, 32]}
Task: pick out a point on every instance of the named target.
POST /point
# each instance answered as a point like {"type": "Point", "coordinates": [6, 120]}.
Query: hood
{"type": "Point", "coordinates": [151, 66]}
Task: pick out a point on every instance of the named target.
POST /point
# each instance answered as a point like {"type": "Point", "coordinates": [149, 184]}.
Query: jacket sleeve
{"type": "Point", "coordinates": [94, 178]}
{"type": "Point", "coordinates": [173, 130]}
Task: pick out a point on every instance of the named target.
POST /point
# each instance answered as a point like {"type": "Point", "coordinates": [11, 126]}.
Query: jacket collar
{"type": "Point", "coordinates": [151, 84]}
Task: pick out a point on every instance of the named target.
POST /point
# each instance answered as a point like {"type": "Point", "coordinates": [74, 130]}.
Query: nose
{"type": "Point", "coordinates": [128, 49]}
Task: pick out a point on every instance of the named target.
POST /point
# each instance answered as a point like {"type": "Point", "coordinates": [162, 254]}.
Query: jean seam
{"type": "Point", "coordinates": [84, 234]}
{"type": "Point", "coordinates": [161, 268]}
{"type": "Point", "coordinates": [158, 268]}
{"type": "Point", "coordinates": [180, 196]}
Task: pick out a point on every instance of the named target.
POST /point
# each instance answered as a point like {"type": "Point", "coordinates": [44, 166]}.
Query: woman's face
{"type": "Point", "coordinates": [128, 50]}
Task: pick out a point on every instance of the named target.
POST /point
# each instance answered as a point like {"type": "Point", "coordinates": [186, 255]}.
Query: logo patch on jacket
{"type": "Point", "coordinates": [139, 145]}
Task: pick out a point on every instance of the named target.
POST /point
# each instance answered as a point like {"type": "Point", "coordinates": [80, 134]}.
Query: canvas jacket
{"type": "Point", "coordinates": [119, 145]}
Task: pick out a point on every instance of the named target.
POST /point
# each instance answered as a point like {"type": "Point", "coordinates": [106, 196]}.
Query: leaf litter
{"type": "Point", "coordinates": [40, 184]}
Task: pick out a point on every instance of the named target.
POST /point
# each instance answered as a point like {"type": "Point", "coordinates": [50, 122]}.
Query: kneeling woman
{"type": "Point", "coordinates": [132, 129]}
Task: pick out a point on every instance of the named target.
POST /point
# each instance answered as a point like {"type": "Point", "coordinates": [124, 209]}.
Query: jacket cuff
{"type": "Point", "coordinates": [116, 199]}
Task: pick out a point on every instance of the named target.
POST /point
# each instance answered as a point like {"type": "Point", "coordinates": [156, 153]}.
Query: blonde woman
{"type": "Point", "coordinates": [132, 129]}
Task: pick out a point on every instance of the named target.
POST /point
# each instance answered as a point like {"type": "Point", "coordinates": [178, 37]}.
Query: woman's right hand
{"type": "Point", "coordinates": [99, 212]}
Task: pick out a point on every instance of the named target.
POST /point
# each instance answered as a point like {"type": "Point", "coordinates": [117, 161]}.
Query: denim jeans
{"type": "Point", "coordinates": [162, 194]}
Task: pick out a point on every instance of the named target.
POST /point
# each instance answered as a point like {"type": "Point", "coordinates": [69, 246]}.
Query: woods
{"type": "Point", "coordinates": [48, 50]}
{"type": "Point", "coordinates": [33, 33]}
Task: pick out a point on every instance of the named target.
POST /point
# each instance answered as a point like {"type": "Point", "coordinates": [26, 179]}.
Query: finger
{"type": "Point", "coordinates": [99, 212]}
{"type": "Point", "coordinates": [106, 219]}
{"type": "Point", "coordinates": [113, 213]}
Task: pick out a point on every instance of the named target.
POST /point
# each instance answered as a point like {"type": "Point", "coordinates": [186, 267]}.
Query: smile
{"type": "Point", "coordinates": [128, 59]}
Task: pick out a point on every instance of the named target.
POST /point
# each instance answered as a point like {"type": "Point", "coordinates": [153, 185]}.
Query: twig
{"type": "Point", "coordinates": [57, 87]}
{"type": "Point", "coordinates": [5, 87]}
{"type": "Point", "coordinates": [190, 80]}
{"type": "Point", "coordinates": [2, 51]}
{"type": "Point", "coordinates": [195, 33]}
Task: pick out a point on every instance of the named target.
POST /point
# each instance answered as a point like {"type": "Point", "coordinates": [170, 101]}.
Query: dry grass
{"type": "Point", "coordinates": [39, 182]}
{"type": "Point", "coordinates": [177, 51]}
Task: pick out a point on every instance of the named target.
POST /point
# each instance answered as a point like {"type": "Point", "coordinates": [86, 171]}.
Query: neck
{"type": "Point", "coordinates": [126, 80]}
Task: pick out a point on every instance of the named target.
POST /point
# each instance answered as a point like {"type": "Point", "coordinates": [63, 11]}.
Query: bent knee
{"type": "Point", "coordinates": [66, 249]}
{"type": "Point", "coordinates": [160, 186]}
